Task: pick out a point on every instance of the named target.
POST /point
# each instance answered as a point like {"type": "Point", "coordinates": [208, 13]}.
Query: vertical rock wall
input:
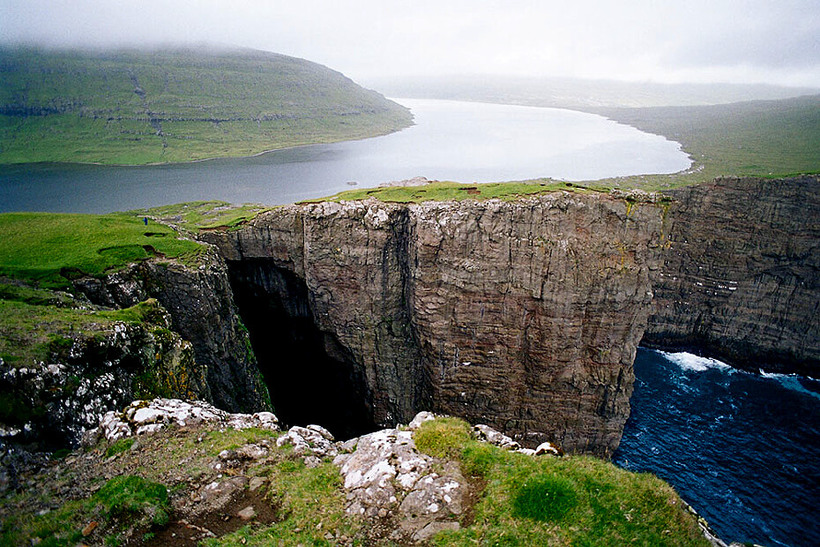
{"type": "Point", "coordinates": [524, 315]}
{"type": "Point", "coordinates": [741, 277]}
{"type": "Point", "coordinates": [200, 302]}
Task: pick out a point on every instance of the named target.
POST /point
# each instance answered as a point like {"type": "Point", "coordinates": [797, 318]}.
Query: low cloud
{"type": "Point", "coordinates": [700, 40]}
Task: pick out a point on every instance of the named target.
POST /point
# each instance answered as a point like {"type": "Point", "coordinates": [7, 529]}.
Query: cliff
{"type": "Point", "coordinates": [97, 367]}
{"type": "Point", "coordinates": [741, 277]}
{"type": "Point", "coordinates": [524, 314]}
{"type": "Point", "coordinates": [200, 304]}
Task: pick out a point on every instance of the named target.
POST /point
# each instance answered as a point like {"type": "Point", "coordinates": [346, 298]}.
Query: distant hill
{"type": "Point", "coordinates": [756, 138]}
{"type": "Point", "coordinates": [727, 129]}
{"type": "Point", "coordinates": [579, 93]}
{"type": "Point", "coordinates": [176, 105]}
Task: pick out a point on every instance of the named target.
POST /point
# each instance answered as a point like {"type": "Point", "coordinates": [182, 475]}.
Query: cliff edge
{"type": "Point", "coordinates": [525, 314]}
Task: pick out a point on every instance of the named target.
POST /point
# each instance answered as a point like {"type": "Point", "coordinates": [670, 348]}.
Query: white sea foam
{"type": "Point", "coordinates": [790, 381]}
{"type": "Point", "coordinates": [695, 363]}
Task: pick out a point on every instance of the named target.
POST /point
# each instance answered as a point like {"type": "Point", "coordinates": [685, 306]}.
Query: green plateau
{"type": "Point", "coordinates": [176, 105]}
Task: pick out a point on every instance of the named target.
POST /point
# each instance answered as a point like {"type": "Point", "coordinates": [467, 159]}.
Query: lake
{"type": "Point", "coordinates": [452, 140]}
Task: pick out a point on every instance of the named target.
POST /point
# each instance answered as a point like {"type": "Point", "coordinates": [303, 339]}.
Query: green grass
{"type": "Point", "coordinates": [176, 105]}
{"type": "Point", "coordinates": [205, 215]}
{"type": "Point", "coordinates": [125, 497]}
{"type": "Point", "coordinates": [132, 496]}
{"type": "Point", "coordinates": [119, 446]}
{"type": "Point", "coordinates": [454, 191]}
{"type": "Point", "coordinates": [574, 500]}
{"type": "Point", "coordinates": [312, 500]}
{"type": "Point", "coordinates": [51, 249]}
{"type": "Point", "coordinates": [760, 138]}
{"type": "Point", "coordinates": [545, 498]}
{"type": "Point", "coordinates": [32, 333]}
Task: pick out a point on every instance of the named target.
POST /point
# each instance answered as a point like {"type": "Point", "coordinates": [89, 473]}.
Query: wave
{"type": "Point", "coordinates": [695, 363]}
{"type": "Point", "coordinates": [793, 382]}
{"type": "Point", "coordinates": [690, 362]}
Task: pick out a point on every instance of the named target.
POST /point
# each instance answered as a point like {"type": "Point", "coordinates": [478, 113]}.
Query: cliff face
{"type": "Point", "coordinates": [200, 303]}
{"type": "Point", "coordinates": [51, 405]}
{"type": "Point", "coordinates": [524, 315]}
{"type": "Point", "coordinates": [741, 278]}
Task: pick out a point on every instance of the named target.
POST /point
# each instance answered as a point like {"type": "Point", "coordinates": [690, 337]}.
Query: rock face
{"type": "Point", "coordinates": [200, 303]}
{"type": "Point", "coordinates": [54, 403]}
{"type": "Point", "coordinates": [523, 315]}
{"type": "Point", "coordinates": [741, 278]}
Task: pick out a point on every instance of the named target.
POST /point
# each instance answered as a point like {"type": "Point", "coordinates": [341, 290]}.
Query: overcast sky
{"type": "Point", "coordinates": [771, 41]}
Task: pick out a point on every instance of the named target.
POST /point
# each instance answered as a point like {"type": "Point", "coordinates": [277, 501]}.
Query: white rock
{"type": "Point", "coordinates": [144, 417]}
{"type": "Point", "coordinates": [419, 419]}
{"type": "Point", "coordinates": [546, 448]}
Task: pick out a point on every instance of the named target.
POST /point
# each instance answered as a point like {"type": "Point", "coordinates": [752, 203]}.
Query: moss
{"type": "Point", "coordinates": [443, 437]}
{"type": "Point", "coordinates": [545, 498]}
{"type": "Point", "coordinates": [122, 499]}
{"type": "Point", "coordinates": [132, 496]}
{"type": "Point", "coordinates": [119, 446]}
{"type": "Point", "coordinates": [556, 501]}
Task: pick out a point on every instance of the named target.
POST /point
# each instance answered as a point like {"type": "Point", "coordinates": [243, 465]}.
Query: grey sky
{"type": "Point", "coordinates": [772, 41]}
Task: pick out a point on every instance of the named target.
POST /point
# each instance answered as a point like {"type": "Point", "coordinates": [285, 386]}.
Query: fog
{"type": "Point", "coordinates": [751, 41]}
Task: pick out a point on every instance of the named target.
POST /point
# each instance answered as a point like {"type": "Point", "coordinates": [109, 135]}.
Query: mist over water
{"type": "Point", "coordinates": [458, 141]}
{"type": "Point", "coordinates": [741, 448]}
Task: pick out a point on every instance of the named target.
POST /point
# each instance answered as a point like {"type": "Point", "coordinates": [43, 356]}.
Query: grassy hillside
{"type": "Point", "coordinates": [50, 249]}
{"type": "Point", "coordinates": [775, 137]}
{"type": "Point", "coordinates": [757, 138]}
{"type": "Point", "coordinates": [138, 107]}
{"type": "Point", "coordinates": [579, 93]}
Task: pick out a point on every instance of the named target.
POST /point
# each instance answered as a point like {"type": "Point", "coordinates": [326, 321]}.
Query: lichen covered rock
{"type": "Point", "coordinates": [142, 417]}
{"type": "Point", "coordinates": [53, 403]}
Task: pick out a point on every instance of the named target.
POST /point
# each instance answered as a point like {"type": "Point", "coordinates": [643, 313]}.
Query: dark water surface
{"type": "Point", "coordinates": [465, 142]}
{"type": "Point", "coordinates": [742, 449]}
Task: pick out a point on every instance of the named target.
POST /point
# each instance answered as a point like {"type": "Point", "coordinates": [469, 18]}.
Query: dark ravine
{"type": "Point", "coordinates": [200, 303]}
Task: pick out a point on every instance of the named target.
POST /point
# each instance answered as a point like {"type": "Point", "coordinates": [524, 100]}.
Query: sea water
{"type": "Point", "coordinates": [743, 449]}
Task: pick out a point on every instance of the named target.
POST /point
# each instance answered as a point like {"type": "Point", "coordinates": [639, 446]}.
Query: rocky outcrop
{"type": "Point", "coordinates": [524, 315]}
{"type": "Point", "coordinates": [199, 300]}
{"type": "Point", "coordinates": [741, 277]}
{"type": "Point", "coordinates": [52, 404]}
{"type": "Point", "coordinates": [148, 416]}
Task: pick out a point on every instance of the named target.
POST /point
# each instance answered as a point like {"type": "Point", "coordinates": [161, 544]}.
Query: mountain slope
{"type": "Point", "coordinates": [137, 107]}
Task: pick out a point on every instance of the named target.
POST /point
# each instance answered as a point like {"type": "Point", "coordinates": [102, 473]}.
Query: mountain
{"type": "Point", "coordinates": [176, 105]}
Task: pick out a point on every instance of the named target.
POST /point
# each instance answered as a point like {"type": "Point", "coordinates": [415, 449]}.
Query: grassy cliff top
{"type": "Point", "coordinates": [176, 105]}
{"type": "Point", "coordinates": [50, 249]}
{"type": "Point", "coordinates": [456, 191]}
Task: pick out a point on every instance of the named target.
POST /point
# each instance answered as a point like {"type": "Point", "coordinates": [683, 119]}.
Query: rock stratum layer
{"type": "Point", "coordinates": [741, 278]}
{"type": "Point", "coordinates": [525, 315]}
